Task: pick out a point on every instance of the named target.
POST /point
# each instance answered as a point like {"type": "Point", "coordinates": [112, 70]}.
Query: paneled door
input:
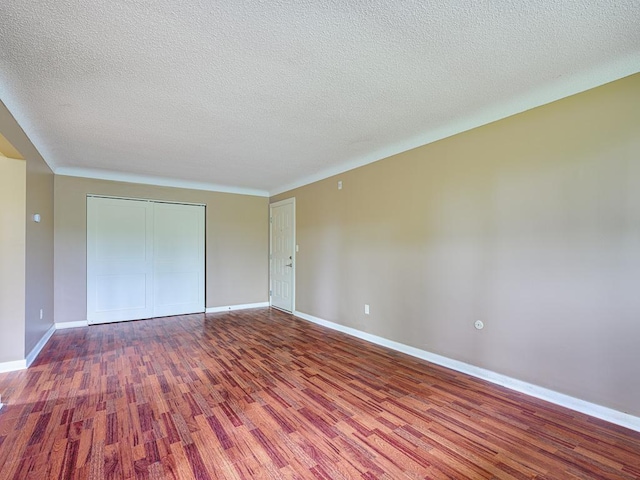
{"type": "Point", "coordinates": [119, 259]}
{"type": "Point", "coordinates": [178, 259]}
{"type": "Point", "coordinates": [282, 255]}
{"type": "Point", "coordinates": [144, 259]}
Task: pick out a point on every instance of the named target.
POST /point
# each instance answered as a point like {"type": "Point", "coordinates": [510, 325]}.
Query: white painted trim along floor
{"type": "Point", "coordinates": [78, 324]}
{"type": "Point", "coordinates": [22, 364]}
{"type": "Point", "coordinates": [13, 366]}
{"type": "Point", "coordinates": [582, 406]}
{"type": "Point", "coordinates": [40, 345]}
{"type": "Point", "coordinates": [244, 306]}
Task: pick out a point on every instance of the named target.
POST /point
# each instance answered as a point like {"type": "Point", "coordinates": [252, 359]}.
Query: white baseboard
{"type": "Point", "coordinates": [33, 354]}
{"type": "Point", "coordinates": [40, 345]}
{"type": "Point", "coordinates": [582, 406]}
{"type": "Point", "coordinates": [65, 325]}
{"type": "Point", "coordinates": [13, 366]}
{"type": "Point", "coordinates": [228, 308]}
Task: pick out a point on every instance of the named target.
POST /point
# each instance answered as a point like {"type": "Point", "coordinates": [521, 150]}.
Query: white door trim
{"type": "Point", "coordinates": [138, 199]}
{"type": "Point", "coordinates": [292, 201]}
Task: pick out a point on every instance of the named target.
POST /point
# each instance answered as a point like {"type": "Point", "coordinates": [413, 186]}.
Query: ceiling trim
{"type": "Point", "coordinates": [561, 88]}
{"type": "Point", "coordinates": [158, 181]}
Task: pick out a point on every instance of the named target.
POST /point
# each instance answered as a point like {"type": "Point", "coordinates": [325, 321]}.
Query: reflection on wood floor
{"type": "Point", "coordinates": [260, 394]}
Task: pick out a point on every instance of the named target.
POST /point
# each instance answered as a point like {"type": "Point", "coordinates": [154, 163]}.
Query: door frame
{"type": "Point", "coordinates": [152, 200]}
{"type": "Point", "coordinates": [292, 201]}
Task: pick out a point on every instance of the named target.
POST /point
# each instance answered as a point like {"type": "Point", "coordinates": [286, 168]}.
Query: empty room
{"type": "Point", "coordinates": [319, 240]}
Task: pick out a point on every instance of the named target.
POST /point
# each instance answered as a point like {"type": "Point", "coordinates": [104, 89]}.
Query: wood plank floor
{"type": "Point", "coordinates": [260, 394]}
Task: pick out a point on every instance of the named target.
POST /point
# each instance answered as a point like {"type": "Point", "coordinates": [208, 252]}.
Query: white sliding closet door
{"type": "Point", "coordinates": [119, 259]}
{"type": "Point", "coordinates": [144, 259]}
{"type": "Point", "coordinates": [178, 259]}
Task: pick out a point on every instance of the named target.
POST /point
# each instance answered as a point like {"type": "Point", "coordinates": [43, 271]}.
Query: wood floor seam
{"type": "Point", "coordinates": [261, 394]}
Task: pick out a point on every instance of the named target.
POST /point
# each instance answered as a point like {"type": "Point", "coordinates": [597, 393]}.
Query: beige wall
{"type": "Point", "coordinates": [37, 269]}
{"type": "Point", "coordinates": [530, 224]}
{"type": "Point", "coordinates": [12, 258]}
{"type": "Point", "coordinates": [236, 244]}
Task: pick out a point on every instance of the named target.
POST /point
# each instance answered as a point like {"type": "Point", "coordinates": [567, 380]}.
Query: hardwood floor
{"type": "Point", "coordinates": [260, 394]}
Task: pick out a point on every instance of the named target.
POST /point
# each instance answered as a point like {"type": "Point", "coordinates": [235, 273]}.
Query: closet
{"type": "Point", "coordinates": [144, 259]}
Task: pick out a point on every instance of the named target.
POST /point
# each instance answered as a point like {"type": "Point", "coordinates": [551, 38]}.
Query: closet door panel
{"type": "Point", "coordinates": [178, 264]}
{"type": "Point", "coordinates": [119, 260]}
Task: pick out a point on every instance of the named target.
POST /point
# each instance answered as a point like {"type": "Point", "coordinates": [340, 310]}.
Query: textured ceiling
{"type": "Point", "coordinates": [262, 95]}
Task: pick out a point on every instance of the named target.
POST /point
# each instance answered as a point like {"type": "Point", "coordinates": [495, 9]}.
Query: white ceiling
{"type": "Point", "coordinates": [259, 96]}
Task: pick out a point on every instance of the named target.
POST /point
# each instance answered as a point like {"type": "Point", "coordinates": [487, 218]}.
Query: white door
{"type": "Point", "coordinates": [119, 259]}
{"type": "Point", "coordinates": [282, 255]}
{"type": "Point", "coordinates": [178, 259]}
{"type": "Point", "coordinates": [144, 259]}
